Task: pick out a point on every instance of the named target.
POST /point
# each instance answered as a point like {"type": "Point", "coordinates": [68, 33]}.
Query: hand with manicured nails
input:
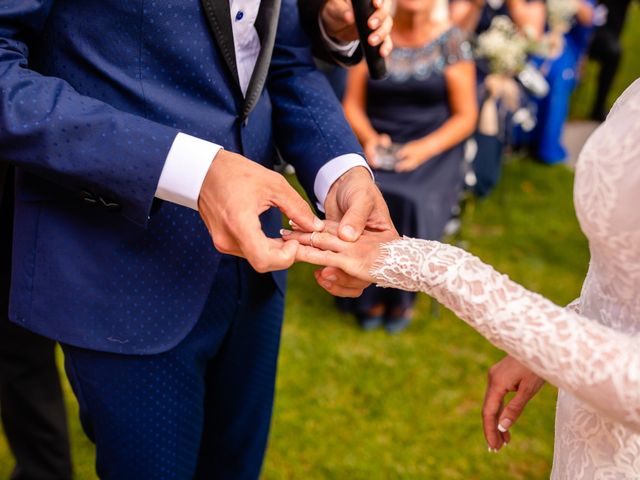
{"type": "Point", "coordinates": [355, 203]}
{"type": "Point", "coordinates": [340, 23]}
{"type": "Point", "coordinates": [508, 375]}
{"type": "Point", "coordinates": [353, 259]}
{"type": "Point", "coordinates": [235, 192]}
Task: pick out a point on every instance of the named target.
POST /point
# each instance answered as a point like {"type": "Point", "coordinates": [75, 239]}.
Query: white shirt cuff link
{"type": "Point", "coordinates": [332, 171]}
{"type": "Point", "coordinates": [185, 169]}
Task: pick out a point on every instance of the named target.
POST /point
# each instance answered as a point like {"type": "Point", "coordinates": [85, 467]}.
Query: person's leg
{"type": "Point", "coordinates": [554, 110]}
{"type": "Point", "coordinates": [241, 383]}
{"type": "Point", "coordinates": [145, 413]}
{"type": "Point", "coordinates": [607, 50]}
{"type": "Point", "coordinates": [370, 307]}
{"type": "Point", "coordinates": [31, 401]}
{"type": "Point", "coordinates": [32, 405]}
{"type": "Point", "coordinates": [400, 310]}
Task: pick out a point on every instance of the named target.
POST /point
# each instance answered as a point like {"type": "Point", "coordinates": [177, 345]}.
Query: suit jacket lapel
{"type": "Point", "coordinates": [267, 26]}
{"type": "Point", "coordinates": [218, 16]}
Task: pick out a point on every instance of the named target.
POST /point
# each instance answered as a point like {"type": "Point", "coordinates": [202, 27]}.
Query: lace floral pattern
{"type": "Point", "coordinates": [420, 63]}
{"type": "Point", "coordinates": [593, 355]}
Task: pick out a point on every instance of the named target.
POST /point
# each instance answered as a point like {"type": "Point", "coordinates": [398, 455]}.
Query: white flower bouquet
{"type": "Point", "coordinates": [504, 46]}
{"type": "Point", "coordinates": [560, 14]}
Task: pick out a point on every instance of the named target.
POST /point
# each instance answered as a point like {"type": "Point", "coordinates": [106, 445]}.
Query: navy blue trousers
{"type": "Point", "coordinates": [201, 410]}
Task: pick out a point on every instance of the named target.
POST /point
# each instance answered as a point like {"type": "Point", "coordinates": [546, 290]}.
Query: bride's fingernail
{"type": "Point", "coordinates": [285, 232]}
{"type": "Point", "coordinates": [318, 224]}
{"type": "Point", "coordinates": [504, 425]}
{"type": "Point", "coordinates": [331, 278]}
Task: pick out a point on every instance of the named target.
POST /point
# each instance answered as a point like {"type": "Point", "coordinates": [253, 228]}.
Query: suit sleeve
{"type": "Point", "coordinates": [309, 15]}
{"type": "Point", "coordinates": [75, 141]}
{"type": "Point", "coordinates": [310, 127]}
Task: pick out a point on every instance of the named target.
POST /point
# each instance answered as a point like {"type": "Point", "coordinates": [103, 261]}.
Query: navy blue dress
{"type": "Point", "coordinates": [410, 104]}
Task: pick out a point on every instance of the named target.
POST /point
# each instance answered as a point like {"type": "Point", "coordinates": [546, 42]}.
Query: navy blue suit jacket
{"type": "Point", "coordinates": [92, 95]}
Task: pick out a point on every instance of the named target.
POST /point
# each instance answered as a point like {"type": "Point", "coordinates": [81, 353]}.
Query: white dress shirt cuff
{"type": "Point", "coordinates": [332, 171]}
{"type": "Point", "coordinates": [343, 49]}
{"type": "Point", "coordinates": [185, 169]}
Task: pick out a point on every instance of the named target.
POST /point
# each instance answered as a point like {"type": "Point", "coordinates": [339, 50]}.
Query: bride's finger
{"type": "Point", "coordinates": [314, 256]}
{"type": "Point", "coordinates": [320, 240]}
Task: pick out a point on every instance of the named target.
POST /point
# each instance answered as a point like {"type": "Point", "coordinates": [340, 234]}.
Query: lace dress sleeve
{"type": "Point", "coordinates": [593, 362]}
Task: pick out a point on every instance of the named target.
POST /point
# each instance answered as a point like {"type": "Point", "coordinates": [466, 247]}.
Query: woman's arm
{"type": "Point", "coordinates": [461, 91]}
{"type": "Point", "coordinates": [585, 12]}
{"type": "Point", "coordinates": [528, 16]}
{"type": "Point", "coordinates": [465, 14]}
{"type": "Point", "coordinates": [593, 362]}
{"type": "Point", "coordinates": [355, 109]}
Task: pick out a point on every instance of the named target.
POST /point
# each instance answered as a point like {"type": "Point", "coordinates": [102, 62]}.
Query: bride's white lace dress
{"type": "Point", "coordinates": [591, 352]}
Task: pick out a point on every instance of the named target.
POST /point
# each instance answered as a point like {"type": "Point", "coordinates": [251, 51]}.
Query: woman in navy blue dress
{"type": "Point", "coordinates": [424, 110]}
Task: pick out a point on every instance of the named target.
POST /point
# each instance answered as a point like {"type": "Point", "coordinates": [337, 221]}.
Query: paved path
{"type": "Point", "coordinates": [575, 135]}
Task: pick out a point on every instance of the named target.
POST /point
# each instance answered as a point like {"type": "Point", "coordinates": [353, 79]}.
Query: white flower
{"type": "Point", "coordinates": [560, 13]}
{"type": "Point", "coordinates": [504, 46]}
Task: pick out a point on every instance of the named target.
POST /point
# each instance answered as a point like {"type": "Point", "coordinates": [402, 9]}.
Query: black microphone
{"type": "Point", "coordinates": [377, 66]}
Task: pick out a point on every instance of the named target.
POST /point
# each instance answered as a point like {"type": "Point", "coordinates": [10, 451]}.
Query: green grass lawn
{"type": "Point", "coordinates": [354, 406]}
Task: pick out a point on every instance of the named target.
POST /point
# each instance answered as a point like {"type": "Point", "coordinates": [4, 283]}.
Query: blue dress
{"type": "Point", "coordinates": [408, 105]}
{"type": "Point", "coordinates": [553, 109]}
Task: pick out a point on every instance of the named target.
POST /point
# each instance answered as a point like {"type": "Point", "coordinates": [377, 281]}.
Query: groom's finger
{"type": "Point", "coordinates": [355, 219]}
{"type": "Point", "coordinates": [293, 206]}
{"type": "Point", "coordinates": [340, 278]}
{"type": "Point", "coordinates": [264, 254]}
{"type": "Point", "coordinates": [337, 290]}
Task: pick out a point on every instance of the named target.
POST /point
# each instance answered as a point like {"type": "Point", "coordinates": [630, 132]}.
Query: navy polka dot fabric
{"type": "Point", "coordinates": [200, 410]}
{"type": "Point", "coordinates": [93, 94]}
{"type": "Point", "coordinates": [171, 347]}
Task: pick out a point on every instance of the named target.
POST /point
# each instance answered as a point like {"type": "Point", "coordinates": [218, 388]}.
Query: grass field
{"type": "Point", "coordinates": [355, 406]}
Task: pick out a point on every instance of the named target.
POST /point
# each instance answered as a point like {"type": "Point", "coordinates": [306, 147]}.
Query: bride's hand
{"type": "Point", "coordinates": [326, 249]}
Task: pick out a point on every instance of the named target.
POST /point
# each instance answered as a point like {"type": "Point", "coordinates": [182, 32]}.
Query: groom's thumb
{"type": "Point", "coordinates": [355, 218]}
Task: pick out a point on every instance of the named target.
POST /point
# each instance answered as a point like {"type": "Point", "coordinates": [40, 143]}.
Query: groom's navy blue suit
{"type": "Point", "coordinates": [171, 347]}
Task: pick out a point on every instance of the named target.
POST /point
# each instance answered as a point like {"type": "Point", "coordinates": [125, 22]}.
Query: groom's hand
{"type": "Point", "coordinates": [339, 22]}
{"type": "Point", "coordinates": [508, 375]}
{"type": "Point", "coordinates": [355, 202]}
{"type": "Point", "coordinates": [235, 192]}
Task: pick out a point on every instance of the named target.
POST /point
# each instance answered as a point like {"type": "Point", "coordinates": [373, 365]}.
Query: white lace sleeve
{"type": "Point", "coordinates": [593, 362]}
